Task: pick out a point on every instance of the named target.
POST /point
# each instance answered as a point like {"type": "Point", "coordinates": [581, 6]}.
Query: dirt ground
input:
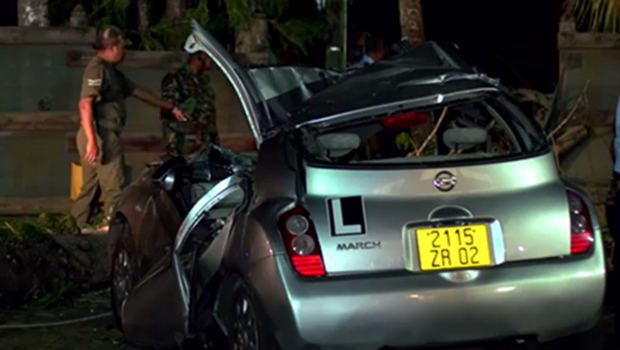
{"type": "Point", "coordinates": [97, 334]}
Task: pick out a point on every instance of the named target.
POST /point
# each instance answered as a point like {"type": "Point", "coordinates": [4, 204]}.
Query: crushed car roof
{"type": "Point", "coordinates": [429, 70]}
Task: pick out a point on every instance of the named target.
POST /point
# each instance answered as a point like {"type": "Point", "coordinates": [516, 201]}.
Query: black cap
{"type": "Point", "coordinates": [109, 36]}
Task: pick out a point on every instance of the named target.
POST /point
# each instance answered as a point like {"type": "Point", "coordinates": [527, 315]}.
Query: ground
{"type": "Point", "coordinates": [98, 334]}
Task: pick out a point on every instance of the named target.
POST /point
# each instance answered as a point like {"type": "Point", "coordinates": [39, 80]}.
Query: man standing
{"type": "Point", "coordinates": [103, 115]}
{"type": "Point", "coordinates": [189, 87]}
{"type": "Point", "coordinates": [375, 51]}
{"type": "Point", "coordinates": [612, 213]}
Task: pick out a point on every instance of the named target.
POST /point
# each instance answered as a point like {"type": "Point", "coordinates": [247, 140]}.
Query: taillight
{"type": "Point", "coordinates": [301, 242]}
{"type": "Point", "coordinates": [582, 235]}
{"type": "Point", "coordinates": [404, 120]}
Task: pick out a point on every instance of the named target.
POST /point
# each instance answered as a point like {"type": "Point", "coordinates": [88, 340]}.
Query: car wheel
{"type": "Point", "coordinates": [125, 272]}
{"type": "Point", "coordinates": [246, 327]}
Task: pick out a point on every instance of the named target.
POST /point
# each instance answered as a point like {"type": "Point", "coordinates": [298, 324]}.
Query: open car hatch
{"type": "Point", "coordinates": [267, 94]}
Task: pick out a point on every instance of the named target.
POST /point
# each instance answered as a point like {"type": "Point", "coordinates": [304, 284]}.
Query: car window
{"type": "Point", "coordinates": [485, 128]}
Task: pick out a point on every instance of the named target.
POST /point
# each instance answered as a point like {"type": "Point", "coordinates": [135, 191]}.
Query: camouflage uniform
{"type": "Point", "coordinates": [194, 95]}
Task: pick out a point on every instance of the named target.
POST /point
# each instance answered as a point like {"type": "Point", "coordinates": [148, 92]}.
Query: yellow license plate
{"type": "Point", "coordinates": [453, 247]}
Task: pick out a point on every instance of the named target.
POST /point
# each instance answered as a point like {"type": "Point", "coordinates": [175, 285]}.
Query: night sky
{"type": "Point", "coordinates": [500, 37]}
{"type": "Point", "coordinates": [493, 35]}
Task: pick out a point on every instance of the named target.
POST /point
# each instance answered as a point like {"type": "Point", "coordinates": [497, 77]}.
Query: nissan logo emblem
{"type": "Point", "coordinates": [444, 181]}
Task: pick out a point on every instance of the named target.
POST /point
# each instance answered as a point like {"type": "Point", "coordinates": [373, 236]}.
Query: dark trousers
{"type": "Point", "coordinates": [107, 176]}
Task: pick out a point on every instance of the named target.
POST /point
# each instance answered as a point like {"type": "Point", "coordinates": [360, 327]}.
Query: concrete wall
{"type": "Point", "coordinates": [594, 58]}
{"type": "Point", "coordinates": [36, 164]}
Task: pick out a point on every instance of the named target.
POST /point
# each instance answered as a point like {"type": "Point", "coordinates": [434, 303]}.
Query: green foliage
{"type": "Point", "coordinates": [36, 231]}
{"type": "Point", "coordinates": [542, 102]}
{"type": "Point", "coordinates": [170, 34]}
{"type": "Point", "coordinates": [300, 33]}
{"type": "Point", "coordinates": [23, 231]}
{"type": "Point", "coordinates": [111, 12]}
{"type": "Point", "coordinates": [58, 293]}
{"type": "Point", "coordinates": [291, 33]}
{"type": "Point", "coordinates": [598, 15]}
{"type": "Point", "coordinates": [543, 105]}
{"type": "Point", "coordinates": [411, 141]}
{"type": "Point", "coordinates": [404, 142]}
{"type": "Point", "coordinates": [239, 13]}
{"type": "Point", "coordinates": [58, 223]}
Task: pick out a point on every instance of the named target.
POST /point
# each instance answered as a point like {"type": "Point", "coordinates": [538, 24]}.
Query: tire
{"type": "Point", "coordinates": [246, 324]}
{"type": "Point", "coordinates": [125, 270]}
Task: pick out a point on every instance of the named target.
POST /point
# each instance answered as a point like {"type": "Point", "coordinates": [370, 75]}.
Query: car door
{"type": "Point", "coordinates": [157, 312]}
{"type": "Point", "coordinates": [267, 94]}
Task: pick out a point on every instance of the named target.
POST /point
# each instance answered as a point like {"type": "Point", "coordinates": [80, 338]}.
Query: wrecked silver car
{"type": "Point", "coordinates": [410, 204]}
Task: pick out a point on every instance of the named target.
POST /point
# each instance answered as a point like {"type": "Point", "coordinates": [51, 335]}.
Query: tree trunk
{"type": "Point", "coordinates": [336, 55]}
{"type": "Point", "coordinates": [175, 8]}
{"type": "Point", "coordinates": [78, 17]}
{"type": "Point", "coordinates": [33, 13]}
{"type": "Point", "coordinates": [143, 15]}
{"type": "Point", "coordinates": [253, 41]}
{"type": "Point", "coordinates": [411, 21]}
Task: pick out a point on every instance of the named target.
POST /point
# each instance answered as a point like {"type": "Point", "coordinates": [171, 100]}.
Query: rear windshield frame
{"type": "Point", "coordinates": [496, 100]}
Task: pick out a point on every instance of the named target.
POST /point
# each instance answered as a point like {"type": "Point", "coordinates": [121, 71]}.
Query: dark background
{"type": "Point", "coordinates": [513, 41]}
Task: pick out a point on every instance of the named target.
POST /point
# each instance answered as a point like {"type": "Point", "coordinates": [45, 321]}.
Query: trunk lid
{"type": "Point", "coordinates": [522, 202]}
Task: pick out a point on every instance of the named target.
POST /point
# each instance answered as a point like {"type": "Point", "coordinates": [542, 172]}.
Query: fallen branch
{"type": "Point", "coordinates": [430, 137]}
{"type": "Point", "coordinates": [572, 112]}
{"type": "Point", "coordinates": [415, 147]}
{"type": "Point", "coordinates": [570, 139]}
{"type": "Point", "coordinates": [556, 156]}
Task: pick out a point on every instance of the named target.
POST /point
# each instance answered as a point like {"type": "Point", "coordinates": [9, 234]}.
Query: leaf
{"type": "Point", "coordinates": [403, 142]}
{"type": "Point", "coordinates": [200, 13]}
{"type": "Point", "coordinates": [239, 13]}
{"type": "Point", "coordinates": [274, 8]}
{"type": "Point", "coordinates": [300, 33]}
{"type": "Point", "coordinates": [599, 15]}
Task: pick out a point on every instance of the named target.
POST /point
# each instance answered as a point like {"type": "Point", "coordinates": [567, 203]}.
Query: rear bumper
{"type": "Point", "coordinates": [548, 300]}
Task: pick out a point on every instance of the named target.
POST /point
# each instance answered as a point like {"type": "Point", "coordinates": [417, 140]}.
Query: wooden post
{"type": "Point", "coordinates": [33, 13]}
{"type": "Point", "coordinates": [175, 8]}
{"type": "Point", "coordinates": [78, 17]}
{"type": "Point", "coordinates": [411, 21]}
{"type": "Point", "coordinates": [336, 55]}
{"type": "Point", "coordinates": [143, 15]}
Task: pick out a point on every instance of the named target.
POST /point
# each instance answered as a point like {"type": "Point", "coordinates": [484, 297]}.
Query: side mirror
{"type": "Point", "coordinates": [165, 175]}
{"type": "Point", "coordinates": [464, 138]}
{"type": "Point", "coordinates": [339, 144]}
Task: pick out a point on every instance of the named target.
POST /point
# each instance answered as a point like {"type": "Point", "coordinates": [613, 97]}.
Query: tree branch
{"type": "Point", "coordinates": [428, 139]}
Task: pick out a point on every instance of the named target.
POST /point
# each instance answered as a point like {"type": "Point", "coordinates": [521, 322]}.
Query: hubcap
{"type": "Point", "coordinates": [121, 281]}
{"type": "Point", "coordinates": [245, 328]}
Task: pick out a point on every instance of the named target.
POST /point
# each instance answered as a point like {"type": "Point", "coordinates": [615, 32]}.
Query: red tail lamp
{"type": "Point", "coordinates": [302, 243]}
{"type": "Point", "coordinates": [405, 120]}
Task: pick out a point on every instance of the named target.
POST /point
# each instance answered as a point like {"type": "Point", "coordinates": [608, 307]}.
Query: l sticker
{"type": "Point", "coordinates": [346, 216]}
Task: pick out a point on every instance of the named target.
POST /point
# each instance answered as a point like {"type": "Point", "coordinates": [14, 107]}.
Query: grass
{"type": "Point", "coordinates": [96, 334]}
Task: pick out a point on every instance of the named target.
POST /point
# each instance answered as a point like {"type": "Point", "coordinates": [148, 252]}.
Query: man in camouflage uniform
{"type": "Point", "coordinates": [189, 87]}
{"type": "Point", "coordinates": [103, 115]}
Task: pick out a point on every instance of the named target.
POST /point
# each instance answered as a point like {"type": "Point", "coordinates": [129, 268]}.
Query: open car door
{"type": "Point", "coordinates": [267, 94]}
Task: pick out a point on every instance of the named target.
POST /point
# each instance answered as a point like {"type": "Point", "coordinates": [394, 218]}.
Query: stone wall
{"type": "Point", "coordinates": [593, 58]}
